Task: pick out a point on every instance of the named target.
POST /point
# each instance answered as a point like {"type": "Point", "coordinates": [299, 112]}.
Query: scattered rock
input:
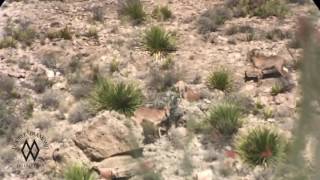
{"type": "Point", "coordinates": [204, 175]}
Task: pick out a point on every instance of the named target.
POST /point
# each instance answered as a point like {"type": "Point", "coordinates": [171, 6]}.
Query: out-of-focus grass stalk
{"type": "Point", "coordinates": [308, 124]}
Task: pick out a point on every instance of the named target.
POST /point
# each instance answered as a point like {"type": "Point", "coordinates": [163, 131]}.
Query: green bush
{"type": "Point", "coordinates": [133, 9]}
{"type": "Point", "coordinates": [261, 8]}
{"type": "Point", "coordinates": [156, 39]}
{"type": "Point", "coordinates": [220, 79]}
{"type": "Point", "coordinates": [225, 118]}
{"type": "Point", "coordinates": [261, 146]}
{"type": "Point", "coordinates": [121, 97]}
{"type": "Point", "coordinates": [162, 13]}
{"type": "Point", "coordinates": [79, 172]}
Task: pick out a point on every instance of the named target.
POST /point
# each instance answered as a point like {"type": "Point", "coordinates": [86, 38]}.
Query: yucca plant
{"type": "Point", "coordinates": [79, 172]}
{"type": "Point", "coordinates": [158, 40]}
{"type": "Point", "coordinates": [121, 97]}
{"type": "Point", "coordinates": [261, 146]}
{"type": "Point", "coordinates": [276, 89]}
{"type": "Point", "coordinates": [220, 79]}
{"type": "Point", "coordinates": [132, 9]}
{"type": "Point", "coordinates": [225, 118]}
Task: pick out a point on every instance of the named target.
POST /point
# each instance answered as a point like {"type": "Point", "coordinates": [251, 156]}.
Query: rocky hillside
{"type": "Point", "coordinates": [150, 89]}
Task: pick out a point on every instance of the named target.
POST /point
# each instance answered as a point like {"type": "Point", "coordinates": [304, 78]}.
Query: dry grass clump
{"type": "Point", "coordinates": [162, 13]}
{"type": "Point", "coordinates": [7, 42]}
{"type": "Point", "coordinates": [211, 19]}
{"type": "Point", "coordinates": [50, 100]}
{"type": "Point", "coordinates": [63, 33]}
{"type": "Point", "coordinates": [162, 80]}
{"type": "Point", "coordinates": [98, 13]}
{"type": "Point", "coordinates": [132, 9]}
{"type": "Point", "coordinates": [261, 8]}
{"type": "Point", "coordinates": [22, 32]}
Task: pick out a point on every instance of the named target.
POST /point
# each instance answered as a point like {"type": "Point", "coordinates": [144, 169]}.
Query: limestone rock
{"type": "Point", "coordinates": [106, 136]}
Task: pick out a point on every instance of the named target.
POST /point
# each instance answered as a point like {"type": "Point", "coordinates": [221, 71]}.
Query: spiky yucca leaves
{"type": "Point", "coordinates": [79, 172]}
{"type": "Point", "coordinates": [132, 9]}
{"type": "Point", "coordinates": [225, 118]}
{"type": "Point", "coordinates": [156, 39]}
{"type": "Point", "coordinates": [220, 79]}
{"type": "Point", "coordinates": [261, 146]}
{"type": "Point", "coordinates": [276, 89]}
{"type": "Point", "coordinates": [121, 97]}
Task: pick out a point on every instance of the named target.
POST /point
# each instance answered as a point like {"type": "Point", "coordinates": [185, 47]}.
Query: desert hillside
{"type": "Point", "coordinates": [150, 89]}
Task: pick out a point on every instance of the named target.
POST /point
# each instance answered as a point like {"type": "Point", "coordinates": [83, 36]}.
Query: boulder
{"type": "Point", "coordinates": [107, 135]}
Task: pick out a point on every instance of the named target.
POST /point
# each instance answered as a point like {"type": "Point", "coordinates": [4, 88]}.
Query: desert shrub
{"type": "Point", "coordinates": [114, 66]}
{"type": "Point", "coordinates": [156, 39]}
{"type": "Point", "coordinates": [41, 83]}
{"type": "Point", "coordinates": [80, 90]}
{"type": "Point", "coordinates": [80, 112]}
{"type": "Point", "coordinates": [27, 108]}
{"type": "Point", "coordinates": [162, 13]}
{"type": "Point", "coordinates": [23, 32]}
{"type": "Point", "coordinates": [244, 102]}
{"type": "Point", "coordinates": [50, 100]}
{"type": "Point", "coordinates": [43, 123]}
{"type": "Point", "coordinates": [167, 64]}
{"type": "Point", "coordinates": [211, 19]}
{"type": "Point", "coordinates": [225, 118]}
{"type": "Point", "coordinates": [220, 79]}
{"type": "Point", "coordinates": [7, 155]}
{"type": "Point", "coordinates": [7, 85]}
{"type": "Point", "coordinates": [261, 146]}
{"type": "Point", "coordinates": [92, 32]}
{"type": "Point", "coordinates": [152, 176]}
{"type": "Point", "coordinates": [132, 9]}
{"type": "Point", "coordinates": [277, 34]}
{"type": "Point", "coordinates": [24, 64]}
{"type": "Point", "coordinates": [98, 13]}
{"type": "Point", "coordinates": [294, 43]}
{"type": "Point", "coordinates": [8, 121]}
{"type": "Point", "coordinates": [239, 29]}
{"type": "Point", "coordinates": [163, 80]}
{"type": "Point", "coordinates": [49, 60]}
{"type": "Point", "coordinates": [121, 97]}
{"type": "Point", "coordinates": [64, 33]}
{"type": "Point", "coordinates": [79, 172]}
{"type": "Point", "coordinates": [8, 41]}
{"type": "Point", "coordinates": [261, 8]}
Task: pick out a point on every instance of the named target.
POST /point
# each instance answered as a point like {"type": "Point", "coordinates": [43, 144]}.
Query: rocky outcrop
{"type": "Point", "coordinates": [107, 135]}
